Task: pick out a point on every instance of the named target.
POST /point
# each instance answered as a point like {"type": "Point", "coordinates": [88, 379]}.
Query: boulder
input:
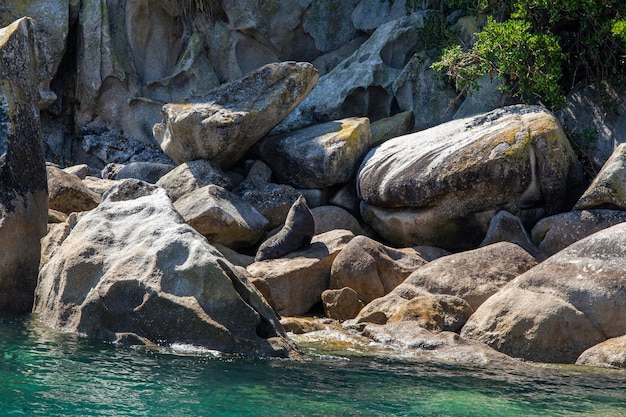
{"type": "Point", "coordinates": [563, 306]}
{"type": "Point", "coordinates": [609, 354]}
{"type": "Point", "coordinates": [295, 234]}
{"type": "Point", "coordinates": [145, 171]}
{"type": "Point", "coordinates": [223, 124]}
{"type": "Point", "coordinates": [297, 281]}
{"type": "Point", "coordinates": [222, 217]}
{"type": "Point", "coordinates": [271, 200]}
{"type": "Point", "coordinates": [23, 186]}
{"type": "Point", "coordinates": [554, 233]}
{"type": "Point", "coordinates": [319, 156]}
{"type": "Point", "coordinates": [67, 192]}
{"type": "Point", "coordinates": [192, 175]}
{"type": "Point", "coordinates": [441, 186]}
{"type": "Point", "coordinates": [608, 189]}
{"type": "Point", "coordinates": [505, 227]}
{"type": "Point", "coordinates": [390, 127]}
{"type": "Point", "coordinates": [371, 268]}
{"type": "Point", "coordinates": [329, 218]}
{"type": "Point", "coordinates": [98, 185]}
{"type": "Point", "coordinates": [473, 276]}
{"type": "Point", "coordinates": [101, 148]}
{"type": "Point", "coordinates": [155, 279]}
{"type": "Point", "coordinates": [362, 84]}
{"type": "Point", "coordinates": [341, 304]}
{"type": "Point", "coordinates": [80, 170]}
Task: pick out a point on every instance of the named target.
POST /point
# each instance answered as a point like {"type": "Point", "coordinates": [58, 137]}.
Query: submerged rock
{"type": "Point", "coordinates": [223, 124]}
{"type": "Point", "coordinates": [133, 267]}
{"type": "Point", "coordinates": [23, 185]}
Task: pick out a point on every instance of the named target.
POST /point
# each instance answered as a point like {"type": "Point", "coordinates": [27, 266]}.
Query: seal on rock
{"type": "Point", "coordinates": [295, 234]}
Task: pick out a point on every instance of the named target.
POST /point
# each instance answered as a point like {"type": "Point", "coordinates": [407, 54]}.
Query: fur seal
{"type": "Point", "coordinates": [295, 234]}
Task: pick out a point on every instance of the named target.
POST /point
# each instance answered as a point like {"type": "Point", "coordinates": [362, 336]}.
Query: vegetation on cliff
{"type": "Point", "coordinates": [540, 48]}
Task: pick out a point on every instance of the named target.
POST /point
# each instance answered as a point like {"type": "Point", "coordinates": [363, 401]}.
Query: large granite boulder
{"type": "Point", "coordinates": [318, 156]}
{"type": "Point", "coordinates": [473, 276]}
{"type": "Point", "coordinates": [223, 124]}
{"type": "Point", "coordinates": [131, 270]}
{"type": "Point", "coordinates": [23, 184]}
{"type": "Point", "coordinates": [442, 186]}
{"type": "Point", "coordinates": [222, 217]}
{"type": "Point", "coordinates": [371, 268]}
{"type": "Point", "coordinates": [563, 306]}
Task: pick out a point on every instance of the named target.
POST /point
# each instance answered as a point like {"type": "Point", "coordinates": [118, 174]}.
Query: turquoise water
{"type": "Point", "coordinates": [45, 373]}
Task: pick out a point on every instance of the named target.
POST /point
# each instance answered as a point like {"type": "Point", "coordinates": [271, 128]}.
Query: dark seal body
{"type": "Point", "coordinates": [295, 234]}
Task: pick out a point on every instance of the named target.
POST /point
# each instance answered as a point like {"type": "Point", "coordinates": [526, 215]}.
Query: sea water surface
{"type": "Point", "coordinates": [46, 373]}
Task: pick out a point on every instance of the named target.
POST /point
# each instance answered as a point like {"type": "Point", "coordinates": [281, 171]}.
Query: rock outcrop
{"type": "Point", "coordinates": [223, 124]}
{"type": "Point", "coordinates": [132, 270]}
{"type": "Point", "coordinates": [563, 306]}
{"type": "Point", "coordinates": [23, 184]}
{"type": "Point", "coordinates": [436, 187]}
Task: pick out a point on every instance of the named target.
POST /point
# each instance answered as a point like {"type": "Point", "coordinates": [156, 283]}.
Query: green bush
{"type": "Point", "coordinates": [540, 48]}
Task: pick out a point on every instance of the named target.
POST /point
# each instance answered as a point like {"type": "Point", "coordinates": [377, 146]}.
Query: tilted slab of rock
{"type": "Point", "coordinates": [442, 186]}
{"type": "Point", "coordinates": [192, 175]}
{"type": "Point", "coordinates": [563, 306]}
{"type": "Point", "coordinates": [608, 189]}
{"type": "Point", "coordinates": [222, 217]}
{"type": "Point", "coordinates": [131, 269]}
{"type": "Point", "coordinates": [555, 233]}
{"type": "Point", "coordinates": [319, 156]}
{"type": "Point", "coordinates": [67, 193]}
{"type": "Point", "coordinates": [473, 276]}
{"type": "Point", "coordinates": [297, 281]}
{"type": "Point", "coordinates": [23, 185]}
{"type": "Point", "coordinates": [223, 124]}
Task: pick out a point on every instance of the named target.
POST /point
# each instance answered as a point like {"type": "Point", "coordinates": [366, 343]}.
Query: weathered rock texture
{"type": "Point", "coordinates": [23, 185]}
{"type": "Point", "coordinates": [222, 217]}
{"type": "Point", "coordinates": [608, 189]}
{"type": "Point", "coordinates": [473, 276]}
{"type": "Point", "coordinates": [610, 353]}
{"type": "Point", "coordinates": [67, 193]}
{"type": "Point", "coordinates": [297, 280]}
{"type": "Point", "coordinates": [222, 125]}
{"type": "Point", "coordinates": [371, 268]}
{"type": "Point", "coordinates": [319, 156]}
{"type": "Point", "coordinates": [442, 186]}
{"type": "Point", "coordinates": [563, 306]}
{"type": "Point", "coordinates": [133, 267]}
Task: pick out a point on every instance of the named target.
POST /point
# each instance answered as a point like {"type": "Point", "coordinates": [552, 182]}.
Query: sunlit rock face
{"type": "Point", "coordinates": [442, 186]}
{"type": "Point", "coordinates": [131, 269]}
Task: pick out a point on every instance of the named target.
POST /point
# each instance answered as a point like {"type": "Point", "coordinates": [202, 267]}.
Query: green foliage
{"type": "Point", "coordinates": [542, 47]}
{"type": "Point", "coordinates": [528, 62]}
